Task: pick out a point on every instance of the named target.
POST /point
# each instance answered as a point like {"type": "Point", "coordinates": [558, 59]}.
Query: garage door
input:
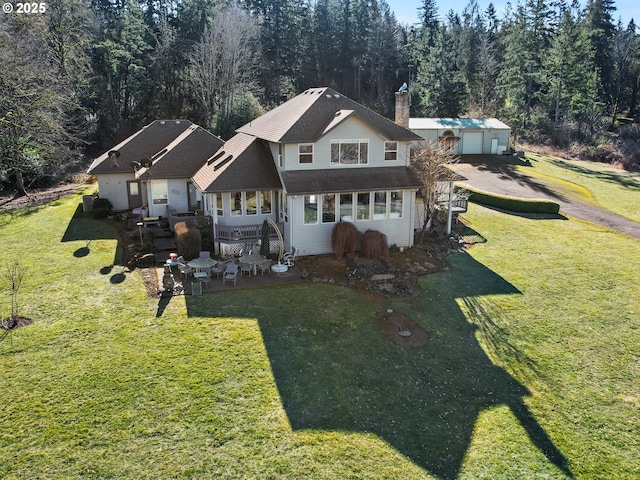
{"type": "Point", "coordinates": [471, 143]}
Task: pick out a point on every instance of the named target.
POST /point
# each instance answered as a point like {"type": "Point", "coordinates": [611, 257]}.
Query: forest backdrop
{"type": "Point", "coordinates": [85, 74]}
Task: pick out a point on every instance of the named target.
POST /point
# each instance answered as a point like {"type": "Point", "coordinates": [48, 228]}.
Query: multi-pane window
{"type": "Point", "coordinates": [349, 152]}
{"type": "Point", "coordinates": [390, 150]}
{"type": "Point", "coordinates": [280, 155]}
{"type": "Point", "coordinates": [305, 153]}
{"type": "Point", "coordinates": [310, 209]}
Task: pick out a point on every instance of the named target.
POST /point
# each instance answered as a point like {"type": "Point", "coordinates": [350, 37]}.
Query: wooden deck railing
{"type": "Point", "coordinates": [243, 233]}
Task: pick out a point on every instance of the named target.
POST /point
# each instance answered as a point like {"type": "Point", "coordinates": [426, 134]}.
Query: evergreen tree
{"type": "Point", "coordinates": [601, 29]}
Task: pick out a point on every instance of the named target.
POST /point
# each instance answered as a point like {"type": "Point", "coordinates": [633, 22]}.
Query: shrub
{"type": "Point", "coordinates": [513, 204]}
{"type": "Point", "coordinates": [373, 244]}
{"type": "Point", "coordinates": [188, 240]}
{"type": "Point", "coordinates": [344, 238]}
{"type": "Point", "coordinates": [102, 208]}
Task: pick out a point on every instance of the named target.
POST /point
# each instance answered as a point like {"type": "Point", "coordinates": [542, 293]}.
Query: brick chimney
{"type": "Point", "coordinates": [402, 108]}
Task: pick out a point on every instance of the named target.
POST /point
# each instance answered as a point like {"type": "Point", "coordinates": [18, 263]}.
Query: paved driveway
{"type": "Point", "coordinates": [499, 175]}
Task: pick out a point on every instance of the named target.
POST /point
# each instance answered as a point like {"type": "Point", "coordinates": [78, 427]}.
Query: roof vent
{"type": "Point", "coordinates": [177, 122]}
{"type": "Point", "coordinates": [162, 122]}
{"type": "Point", "coordinates": [215, 157]}
{"type": "Point", "coordinates": [222, 162]}
{"type": "Point", "coordinates": [158, 154]}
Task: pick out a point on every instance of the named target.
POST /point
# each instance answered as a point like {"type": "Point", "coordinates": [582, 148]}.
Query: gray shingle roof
{"type": "Point", "coordinates": [338, 180]}
{"type": "Point", "coordinates": [184, 156]}
{"type": "Point", "coordinates": [243, 163]}
{"type": "Point", "coordinates": [308, 116]}
{"type": "Point", "coordinates": [143, 144]}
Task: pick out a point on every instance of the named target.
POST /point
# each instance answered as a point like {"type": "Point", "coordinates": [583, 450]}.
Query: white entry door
{"type": "Point", "coordinates": [494, 146]}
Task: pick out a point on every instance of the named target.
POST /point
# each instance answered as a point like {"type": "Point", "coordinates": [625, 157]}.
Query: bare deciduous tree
{"type": "Point", "coordinates": [14, 275]}
{"type": "Point", "coordinates": [224, 63]}
{"type": "Point", "coordinates": [430, 161]}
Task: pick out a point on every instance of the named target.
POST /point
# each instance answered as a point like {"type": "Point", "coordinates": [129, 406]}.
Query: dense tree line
{"type": "Point", "coordinates": [89, 72]}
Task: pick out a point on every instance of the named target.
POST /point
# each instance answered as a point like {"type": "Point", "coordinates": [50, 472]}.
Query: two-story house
{"type": "Point", "coordinates": [318, 159]}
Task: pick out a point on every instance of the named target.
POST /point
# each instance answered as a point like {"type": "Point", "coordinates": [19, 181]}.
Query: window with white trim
{"type": "Point", "coordinates": [266, 199]}
{"type": "Point", "coordinates": [390, 150]}
{"type": "Point", "coordinates": [219, 209]}
{"type": "Point", "coordinates": [364, 206]}
{"type": "Point", "coordinates": [328, 208]}
{"type": "Point", "coordinates": [236, 204]}
{"type": "Point", "coordinates": [305, 153]}
{"type": "Point", "coordinates": [310, 209]}
{"type": "Point", "coordinates": [346, 207]}
{"type": "Point", "coordinates": [379, 205]}
{"type": "Point", "coordinates": [395, 204]}
{"type": "Point", "coordinates": [349, 152]}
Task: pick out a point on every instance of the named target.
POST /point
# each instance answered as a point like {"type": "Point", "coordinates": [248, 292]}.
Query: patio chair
{"type": "Point", "coordinates": [230, 273]}
{"type": "Point", "coordinates": [205, 254]}
{"type": "Point", "coordinates": [185, 269]}
{"type": "Point", "coordinates": [245, 268]}
{"type": "Point", "coordinates": [217, 269]}
{"type": "Point", "coordinates": [289, 257]}
{"type": "Point", "coordinates": [196, 288]}
{"type": "Point", "coordinates": [265, 266]}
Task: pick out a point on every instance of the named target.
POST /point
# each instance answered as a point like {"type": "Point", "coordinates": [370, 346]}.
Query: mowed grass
{"type": "Point", "coordinates": [530, 369]}
{"type": "Point", "coordinates": [615, 189]}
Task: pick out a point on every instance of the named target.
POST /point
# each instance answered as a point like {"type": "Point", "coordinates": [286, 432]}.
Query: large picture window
{"type": "Point", "coordinates": [349, 152]}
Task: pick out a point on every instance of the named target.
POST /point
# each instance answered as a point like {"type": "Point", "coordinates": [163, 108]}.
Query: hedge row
{"type": "Point", "coordinates": [512, 204]}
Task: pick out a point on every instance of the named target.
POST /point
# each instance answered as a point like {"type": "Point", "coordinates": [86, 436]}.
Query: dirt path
{"type": "Point", "coordinates": [37, 197]}
{"type": "Point", "coordinates": [501, 177]}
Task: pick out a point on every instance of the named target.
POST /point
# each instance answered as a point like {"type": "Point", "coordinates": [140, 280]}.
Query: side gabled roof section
{"type": "Point", "coordinates": [142, 145]}
{"type": "Point", "coordinates": [308, 116]}
{"type": "Point", "coordinates": [243, 163]}
{"type": "Point", "coordinates": [184, 156]}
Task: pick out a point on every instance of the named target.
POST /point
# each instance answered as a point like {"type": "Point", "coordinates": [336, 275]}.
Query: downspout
{"type": "Point", "coordinates": [450, 209]}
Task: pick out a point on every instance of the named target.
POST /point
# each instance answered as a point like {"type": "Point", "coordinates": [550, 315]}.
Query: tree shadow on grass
{"type": "Point", "coordinates": [83, 227]}
{"type": "Point", "coordinates": [336, 370]}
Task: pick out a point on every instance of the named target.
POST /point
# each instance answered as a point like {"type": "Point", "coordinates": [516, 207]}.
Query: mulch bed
{"type": "Point", "coordinates": [393, 324]}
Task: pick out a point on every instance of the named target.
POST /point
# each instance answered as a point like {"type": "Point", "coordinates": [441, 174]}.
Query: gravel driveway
{"type": "Point", "coordinates": [499, 175]}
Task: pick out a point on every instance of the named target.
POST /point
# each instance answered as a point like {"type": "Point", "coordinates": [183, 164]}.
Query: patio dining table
{"type": "Point", "coordinates": [201, 264]}
{"type": "Point", "coordinates": [253, 260]}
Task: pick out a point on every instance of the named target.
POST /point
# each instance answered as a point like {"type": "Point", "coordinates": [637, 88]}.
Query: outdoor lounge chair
{"type": "Point", "coordinates": [230, 273]}
{"type": "Point", "coordinates": [289, 257]}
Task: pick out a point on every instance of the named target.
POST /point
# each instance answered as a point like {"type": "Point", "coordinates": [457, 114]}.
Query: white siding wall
{"type": "Point", "coordinates": [351, 129]}
{"type": "Point", "coordinates": [433, 135]}
{"type": "Point", "coordinates": [114, 187]}
{"type": "Point", "coordinates": [316, 239]}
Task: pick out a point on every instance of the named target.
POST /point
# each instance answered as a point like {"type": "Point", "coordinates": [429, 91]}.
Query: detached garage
{"type": "Point", "coordinates": [466, 136]}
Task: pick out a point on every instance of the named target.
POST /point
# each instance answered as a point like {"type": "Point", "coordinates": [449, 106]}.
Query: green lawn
{"type": "Point", "coordinates": [530, 370]}
{"type": "Point", "coordinates": [612, 188]}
